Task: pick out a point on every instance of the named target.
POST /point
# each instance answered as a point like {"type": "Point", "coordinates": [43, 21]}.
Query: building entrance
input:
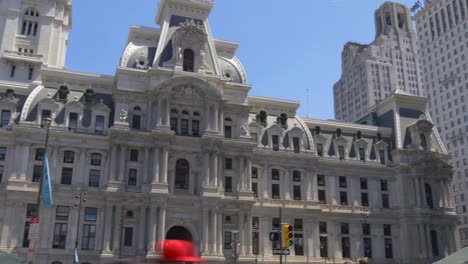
{"type": "Point", "coordinates": [179, 232]}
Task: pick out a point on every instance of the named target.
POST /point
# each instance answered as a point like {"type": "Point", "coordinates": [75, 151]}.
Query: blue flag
{"type": "Point", "coordinates": [77, 260]}
{"type": "Point", "coordinates": [47, 200]}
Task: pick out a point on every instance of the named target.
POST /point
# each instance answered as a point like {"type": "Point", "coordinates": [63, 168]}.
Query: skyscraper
{"type": "Point", "coordinates": [443, 32]}
{"type": "Point", "coordinates": [370, 72]}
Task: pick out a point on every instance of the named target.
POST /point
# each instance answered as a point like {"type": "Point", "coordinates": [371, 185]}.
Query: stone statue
{"type": "Point", "coordinates": [179, 56]}
{"type": "Point", "coordinates": [123, 115]}
{"type": "Point", "coordinates": [244, 130]}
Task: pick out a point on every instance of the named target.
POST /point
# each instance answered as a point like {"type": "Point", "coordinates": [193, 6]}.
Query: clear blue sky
{"type": "Point", "coordinates": [286, 47]}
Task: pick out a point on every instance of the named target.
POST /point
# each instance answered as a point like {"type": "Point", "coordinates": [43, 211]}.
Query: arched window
{"type": "Point", "coordinates": [30, 22]}
{"type": "Point", "coordinates": [196, 124]}
{"type": "Point", "coordinates": [227, 127]}
{"type": "Point", "coordinates": [423, 141]}
{"type": "Point", "coordinates": [429, 200]}
{"type": "Point", "coordinates": [434, 243]}
{"type": "Point", "coordinates": [182, 173]}
{"type": "Point", "coordinates": [189, 60]}
{"type": "Point", "coordinates": [136, 118]}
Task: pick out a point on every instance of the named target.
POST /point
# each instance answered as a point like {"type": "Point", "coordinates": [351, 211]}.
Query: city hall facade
{"type": "Point", "coordinates": [174, 147]}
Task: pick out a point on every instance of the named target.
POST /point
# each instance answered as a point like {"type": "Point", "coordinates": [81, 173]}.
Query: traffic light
{"type": "Point", "coordinates": [287, 235]}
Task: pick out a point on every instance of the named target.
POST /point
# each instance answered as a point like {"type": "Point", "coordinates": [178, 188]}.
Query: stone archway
{"type": "Point", "coordinates": [179, 232]}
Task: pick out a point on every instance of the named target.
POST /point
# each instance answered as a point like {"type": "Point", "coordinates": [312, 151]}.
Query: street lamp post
{"type": "Point", "coordinates": [78, 204]}
{"type": "Point", "coordinates": [46, 122]}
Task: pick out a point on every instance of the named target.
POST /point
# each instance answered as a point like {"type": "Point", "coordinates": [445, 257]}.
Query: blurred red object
{"type": "Point", "coordinates": [178, 250]}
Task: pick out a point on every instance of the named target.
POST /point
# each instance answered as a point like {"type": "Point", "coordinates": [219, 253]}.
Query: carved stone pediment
{"type": "Point", "coordinates": [188, 90]}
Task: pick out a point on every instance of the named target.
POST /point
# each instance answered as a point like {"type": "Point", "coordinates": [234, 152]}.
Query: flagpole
{"type": "Point", "coordinates": [47, 123]}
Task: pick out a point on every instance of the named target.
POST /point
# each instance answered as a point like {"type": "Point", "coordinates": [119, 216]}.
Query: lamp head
{"type": "Point", "coordinates": [47, 122]}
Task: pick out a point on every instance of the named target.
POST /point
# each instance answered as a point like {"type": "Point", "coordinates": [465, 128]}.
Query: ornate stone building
{"type": "Point", "coordinates": [173, 146]}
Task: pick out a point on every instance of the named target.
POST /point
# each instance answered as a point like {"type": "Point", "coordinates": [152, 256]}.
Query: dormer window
{"type": "Point", "coordinates": [423, 141]}
{"type": "Point", "coordinates": [189, 60]}
{"type": "Point", "coordinates": [136, 118]}
{"type": "Point", "coordinates": [275, 141]}
{"type": "Point", "coordinates": [44, 115]}
{"type": "Point", "coordinates": [362, 154]}
{"type": "Point", "coordinates": [341, 152]}
{"type": "Point", "coordinates": [73, 121]}
{"type": "Point", "coordinates": [6, 115]}
{"type": "Point", "coordinates": [320, 149]}
{"type": "Point", "coordinates": [30, 22]}
{"type": "Point", "coordinates": [99, 127]}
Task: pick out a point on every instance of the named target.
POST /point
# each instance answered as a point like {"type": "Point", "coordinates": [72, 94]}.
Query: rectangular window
{"type": "Point", "coordinates": [365, 199]}
{"type": "Point", "coordinates": [132, 177]}
{"type": "Point", "coordinates": [321, 180]}
{"type": "Point", "coordinates": [254, 173]}
{"type": "Point", "coordinates": [346, 247]}
{"type": "Point", "coordinates": [344, 228]}
{"type": "Point", "coordinates": [73, 121]}
{"type": "Point", "coordinates": [275, 175]}
{"type": "Point", "coordinates": [341, 152]}
{"type": "Point", "coordinates": [275, 223]}
{"type": "Point", "coordinates": [298, 225]}
{"type": "Point", "coordinates": [320, 149]}
{"type": "Point", "coordinates": [323, 227]}
{"type": "Point", "coordinates": [88, 238]}
{"type": "Point", "coordinates": [227, 240]}
{"type": "Point", "coordinates": [128, 236]}
{"type": "Point", "coordinates": [68, 157]}
{"type": "Point", "coordinates": [387, 230]}
{"type": "Point", "coordinates": [228, 163]}
{"type": "Point", "coordinates": [60, 235]}
{"type": "Point", "coordinates": [343, 198]}
{"type": "Point", "coordinates": [39, 156]}
{"type": "Point", "coordinates": [296, 145]}
{"type": "Point", "coordinates": [227, 131]}
{"type": "Point", "coordinates": [275, 140]}
{"type": "Point", "coordinates": [434, 243]}
{"type": "Point", "coordinates": [99, 127]}
{"type": "Point", "coordinates": [228, 184]}
{"type": "Point", "coordinates": [13, 71]}
{"type": "Point", "coordinates": [385, 201]}
{"type": "Point", "coordinates": [134, 155]}
{"type": "Point", "coordinates": [62, 213]}
{"type": "Point", "coordinates": [136, 121]}
{"type": "Point", "coordinates": [382, 156]}
{"type": "Point", "coordinates": [67, 174]}
{"type": "Point", "coordinates": [363, 183]}
{"type": "Point", "coordinates": [195, 127]}
{"type": "Point", "coordinates": [255, 189]}
{"type": "Point", "coordinates": [343, 182]}
{"type": "Point", "coordinates": [25, 243]}
{"type": "Point", "coordinates": [321, 197]}
{"type": "Point", "coordinates": [184, 129]}
{"type": "Point", "coordinates": [384, 185]}
{"type": "Point", "coordinates": [367, 242]}
{"type": "Point", "coordinates": [388, 248]}
{"type": "Point", "coordinates": [6, 115]}
{"type": "Point", "coordinates": [255, 243]}
{"type": "Point", "coordinates": [30, 73]}
{"type": "Point", "coordinates": [44, 115]}
{"type": "Point", "coordinates": [299, 244]}
{"type": "Point", "coordinates": [275, 191]}
{"type": "Point", "coordinates": [3, 153]}
{"type": "Point", "coordinates": [323, 247]}
{"type": "Point", "coordinates": [96, 159]}
{"type": "Point", "coordinates": [174, 124]}
{"type": "Point", "coordinates": [1, 173]}
{"type": "Point", "coordinates": [94, 176]}
{"type": "Point", "coordinates": [90, 214]}
{"type": "Point", "coordinates": [296, 176]}
{"type": "Point", "coordinates": [362, 154]}
{"type": "Point", "coordinates": [297, 192]}
{"type": "Point", "coordinates": [366, 229]}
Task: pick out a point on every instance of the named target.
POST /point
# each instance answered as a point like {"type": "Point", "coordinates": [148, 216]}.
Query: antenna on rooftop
{"type": "Point", "coordinates": [307, 102]}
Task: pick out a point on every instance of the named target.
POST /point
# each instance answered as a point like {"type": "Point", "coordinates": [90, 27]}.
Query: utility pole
{"type": "Point", "coordinates": [78, 204]}
{"type": "Point", "coordinates": [281, 232]}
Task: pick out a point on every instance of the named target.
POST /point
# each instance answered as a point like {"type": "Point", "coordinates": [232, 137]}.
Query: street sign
{"type": "Point", "coordinates": [33, 229]}
{"type": "Point", "coordinates": [280, 251]}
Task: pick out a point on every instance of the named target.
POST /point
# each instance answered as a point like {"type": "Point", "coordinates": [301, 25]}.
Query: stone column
{"type": "Point", "coordinates": [156, 162]}
{"type": "Point", "coordinates": [117, 230]}
{"type": "Point", "coordinates": [122, 168]}
{"type": "Point", "coordinates": [142, 229]}
{"type": "Point", "coordinates": [53, 169]}
{"type": "Point", "coordinates": [423, 192]}
{"type": "Point", "coordinates": [248, 233]}
{"type": "Point", "coordinates": [149, 119]}
{"type": "Point", "coordinates": [214, 232]}
{"type": "Point", "coordinates": [248, 173]}
{"type": "Point", "coordinates": [417, 191]}
{"type": "Point", "coordinates": [214, 164]}
{"type": "Point", "coordinates": [146, 167]}
{"type": "Point", "coordinates": [333, 193]}
{"type": "Point", "coordinates": [152, 228]}
{"type": "Point", "coordinates": [221, 120]}
{"type": "Point", "coordinates": [422, 241]}
{"type": "Point", "coordinates": [287, 184]}
{"type": "Point", "coordinates": [308, 187]}
{"type": "Point", "coordinates": [163, 165]}
{"type": "Point", "coordinates": [162, 223]}
{"type": "Point", "coordinates": [108, 228]}
{"type": "Point", "coordinates": [241, 170]}
{"type": "Point", "coordinates": [206, 169]}
{"type": "Point", "coordinates": [220, 231]}
{"type": "Point", "coordinates": [167, 112]}
{"type": "Point", "coordinates": [220, 172]}
{"type": "Point", "coordinates": [265, 244]}
{"type": "Point", "coordinates": [159, 112]}
{"type": "Point", "coordinates": [266, 182]}
{"type": "Point", "coordinates": [241, 233]}
{"type": "Point", "coordinates": [113, 163]}
{"type": "Point", "coordinates": [308, 239]}
{"type": "Point", "coordinates": [215, 118]}
{"type": "Point", "coordinates": [205, 234]}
